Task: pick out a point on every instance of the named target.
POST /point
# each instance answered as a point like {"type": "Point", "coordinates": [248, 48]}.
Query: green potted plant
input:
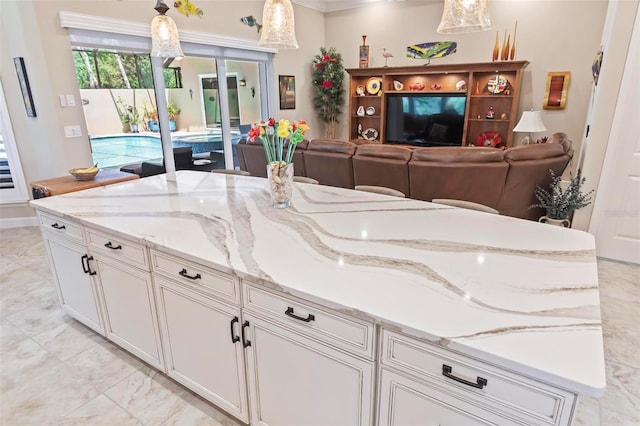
{"type": "Point", "coordinates": [561, 201]}
{"type": "Point", "coordinates": [328, 77]}
{"type": "Point", "coordinates": [172, 112]}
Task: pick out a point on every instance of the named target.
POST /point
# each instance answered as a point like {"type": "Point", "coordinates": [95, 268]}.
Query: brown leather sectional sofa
{"type": "Point", "coordinates": [505, 180]}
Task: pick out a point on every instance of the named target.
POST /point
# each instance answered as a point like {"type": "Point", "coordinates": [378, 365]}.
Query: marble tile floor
{"type": "Point", "coordinates": [55, 371]}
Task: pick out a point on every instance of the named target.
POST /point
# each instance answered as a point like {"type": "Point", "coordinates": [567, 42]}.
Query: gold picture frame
{"type": "Point", "coordinates": [555, 96]}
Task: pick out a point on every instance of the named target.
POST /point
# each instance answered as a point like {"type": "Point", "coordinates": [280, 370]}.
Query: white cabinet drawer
{"type": "Point", "coordinates": [62, 227]}
{"type": "Point", "coordinates": [196, 276]}
{"type": "Point", "coordinates": [348, 333]}
{"type": "Point", "coordinates": [528, 400]}
{"type": "Point", "coordinates": [119, 248]}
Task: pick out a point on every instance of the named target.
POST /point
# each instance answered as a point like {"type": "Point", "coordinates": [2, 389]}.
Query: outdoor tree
{"type": "Point", "coordinates": [328, 77]}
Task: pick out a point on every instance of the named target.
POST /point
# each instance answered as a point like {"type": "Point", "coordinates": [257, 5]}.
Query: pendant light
{"type": "Point", "coordinates": [465, 16]}
{"type": "Point", "coordinates": [278, 22]}
{"type": "Point", "coordinates": [165, 42]}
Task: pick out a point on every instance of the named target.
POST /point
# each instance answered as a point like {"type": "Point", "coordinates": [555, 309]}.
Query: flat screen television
{"type": "Point", "coordinates": [425, 119]}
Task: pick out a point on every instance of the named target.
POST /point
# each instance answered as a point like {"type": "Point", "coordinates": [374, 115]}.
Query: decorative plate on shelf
{"type": "Point", "coordinates": [370, 134]}
{"type": "Point", "coordinates": [490, 139]}
{"type": "Point", "coordinates": [371, 110]}
{"type": "Point", "coordinates": [373, 85]}
{"type": "Point", "coordinates": [360, 90]}
{"type": "Point", "coordinates": [497, 84]}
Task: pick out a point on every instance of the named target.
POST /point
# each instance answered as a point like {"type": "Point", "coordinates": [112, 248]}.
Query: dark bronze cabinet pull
{"type": "Point", "coordinates": [56, 226]}
{"type": "Point", "coordinates": [183, 273]}
{"type": "Point", "coordinates": [85, 268]}
{"type": "Point", "coordinates": [480, 382]}
{"type": "Point", "coordinates": [245, 342]}
{"type": "Point", "coordinates": [234, 338]}
{"type": "Point", "coordinates": [109, 245]}
{"type": "Point", "coordinates": [89, 266]}
{"type": "Point", "coordinates": [289, 312]}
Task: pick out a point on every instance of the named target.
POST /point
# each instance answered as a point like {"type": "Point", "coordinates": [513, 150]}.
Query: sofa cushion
{"type": "Point", "coordinates": [465, 154]}
{"type": "Point", "coordinates": [536, 151]}
{"type": "Point", "coordinates": [331, 145]}
{"type": "Point", "coordinates": [382, 165]}
{"type": "Point", "coordinates": [384, 151]}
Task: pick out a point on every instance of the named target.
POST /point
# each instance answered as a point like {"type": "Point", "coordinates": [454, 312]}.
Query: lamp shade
{"type": "Point", "coordinates": [531, 121]}
{"type": "Point", "coordinates": [165, 42]}
{"type": "Point", "coordinates": [465, 16]}
{"type": "Point", "coordinates": [278, 25]}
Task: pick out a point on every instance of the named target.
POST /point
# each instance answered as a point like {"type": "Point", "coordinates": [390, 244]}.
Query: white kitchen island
{"type": "Point", "coordinates": [346, 308]}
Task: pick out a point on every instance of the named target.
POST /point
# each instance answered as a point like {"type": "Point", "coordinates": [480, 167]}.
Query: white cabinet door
{"type": "Point", "coordinates": [202, 346]}
{"type": "Point", "coordinates": [129, 309]}
{"type": "Point", "coordinates": [407, 402]}
{"type": "Point", "coordinates": [76, 289]}
{"type": "Point", "coordinates": [294, 380]}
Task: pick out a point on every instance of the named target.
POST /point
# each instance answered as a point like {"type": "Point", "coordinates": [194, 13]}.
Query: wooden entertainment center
{"type": "Point", "coordinates": [492, 89]}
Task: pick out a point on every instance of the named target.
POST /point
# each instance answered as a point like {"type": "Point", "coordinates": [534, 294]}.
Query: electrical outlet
{"type": "Point", "coordinates": [71, 101]}
{"type": "Point", "coordinates": [72, 131]}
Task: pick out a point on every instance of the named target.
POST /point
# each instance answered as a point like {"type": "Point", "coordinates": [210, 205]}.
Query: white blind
{"type": "Point", "coordinates": [12, 184]}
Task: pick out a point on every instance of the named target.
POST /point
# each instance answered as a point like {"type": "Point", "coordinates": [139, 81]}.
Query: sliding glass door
{"type": "Point", "coordinates": [133, 102]}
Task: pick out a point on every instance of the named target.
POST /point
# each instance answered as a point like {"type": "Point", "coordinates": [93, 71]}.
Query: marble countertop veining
{"type": "Point", "coordinates": [517, 294]}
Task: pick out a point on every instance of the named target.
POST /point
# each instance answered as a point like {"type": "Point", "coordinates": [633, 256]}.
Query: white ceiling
{"type": "Point", "coordinates": [335, 5]}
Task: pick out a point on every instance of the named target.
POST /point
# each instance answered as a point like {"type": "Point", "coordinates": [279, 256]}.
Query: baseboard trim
{"type": "Point", "coordinates": [18, 222]}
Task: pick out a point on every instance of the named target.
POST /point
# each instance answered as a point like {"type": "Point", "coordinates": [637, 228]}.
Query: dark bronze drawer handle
{"type": "Point", "coordinates": [183, 273]}
{"type": "Point", "coordinates": [289, 312]}
{"type": "Point", "coordinates": [56, 226]}
{"type": "Point", "coordinates": [245, 343]}
{"type": "Point", "coordinates": [109, 245]}
{"type": "Point", "coordinates": [480, 382]}
{"type": "Point", "coordinates": [234, 338]}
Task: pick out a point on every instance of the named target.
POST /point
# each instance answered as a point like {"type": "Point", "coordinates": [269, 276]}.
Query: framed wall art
{"type": "Point", "coordinates": [555, 96]}
{"type": "Point", "coordinates": [287, 91]}
{"type": "Point", "coordinates": [23, 80]}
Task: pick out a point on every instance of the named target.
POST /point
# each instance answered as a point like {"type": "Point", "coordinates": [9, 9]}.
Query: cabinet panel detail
{"type": "Point", "coordinates": [76, 289]}
{"type": "Point", "coordinates": [518, 395]}
{"type": "Point", "coordinates": [294, 380]}
{"type": "Point", "coordinates": [348, 333]}
{"type": "Point", "coordinates": [60, 227]}
{"type": "Point", "coordinates": [196, 276]}
{"type": "Point", "coordinates": [119, 248]}
{"type": "Point", "coordinates": [202, 346]}
{"type": "Point", "coordinates": [405, 402]}
{"type": "Point", "coordinates": [130, 316]}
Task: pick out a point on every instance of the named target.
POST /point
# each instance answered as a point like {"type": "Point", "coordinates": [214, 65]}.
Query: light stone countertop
{"type": "Point", "coordinates": [517, 294]}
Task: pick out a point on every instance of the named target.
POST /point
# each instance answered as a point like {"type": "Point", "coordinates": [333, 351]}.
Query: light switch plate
{"type": "Point", "coordinates": [72, 131]}
{"type": "Point", "coordinates": [63, 101]}
{"type": "Point", "coordinates": [71, 100]}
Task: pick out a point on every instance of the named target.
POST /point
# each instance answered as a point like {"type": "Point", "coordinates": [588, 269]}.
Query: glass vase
{"type": "Point", "coordinates": [280, 177]}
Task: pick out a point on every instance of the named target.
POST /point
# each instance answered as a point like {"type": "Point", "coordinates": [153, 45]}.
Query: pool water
{"type": "Point", "coordinates": [115, 151]}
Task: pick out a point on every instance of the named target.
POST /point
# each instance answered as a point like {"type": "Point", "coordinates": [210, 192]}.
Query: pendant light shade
{"type": "Point", "coordinates": [165, 42]}
{"type": "Point", "coordinates": [465, 16]}
{"type": "Point", "coordinates": [278, 22]}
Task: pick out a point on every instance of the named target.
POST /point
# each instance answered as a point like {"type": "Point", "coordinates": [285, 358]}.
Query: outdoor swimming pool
{"type": "Point", "coordinates": [113, 151]}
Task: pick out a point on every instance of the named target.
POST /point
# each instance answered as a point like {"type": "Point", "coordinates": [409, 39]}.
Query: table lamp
{"type": "Point", "coordinates": [531, 121]}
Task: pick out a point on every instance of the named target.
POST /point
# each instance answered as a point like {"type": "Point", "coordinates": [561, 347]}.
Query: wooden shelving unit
{"type": "Point", "coordinates": [443, 79]}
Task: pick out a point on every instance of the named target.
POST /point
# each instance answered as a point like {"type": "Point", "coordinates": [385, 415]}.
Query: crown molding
{"type": "Point", "coordinates": [326, 6]}
{"type": "Point", "coordinates": [121, 26]}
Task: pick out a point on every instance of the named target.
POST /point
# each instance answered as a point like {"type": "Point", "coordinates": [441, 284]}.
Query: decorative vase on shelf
{"type": "Point", "coordinates": [565, 223]}
{"type": "Point", "coordinates": [364, 54]}
{"type": "Point", "coordinates": [496, 47]}
{"type": "Point", "coordinates": [280, 177]}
